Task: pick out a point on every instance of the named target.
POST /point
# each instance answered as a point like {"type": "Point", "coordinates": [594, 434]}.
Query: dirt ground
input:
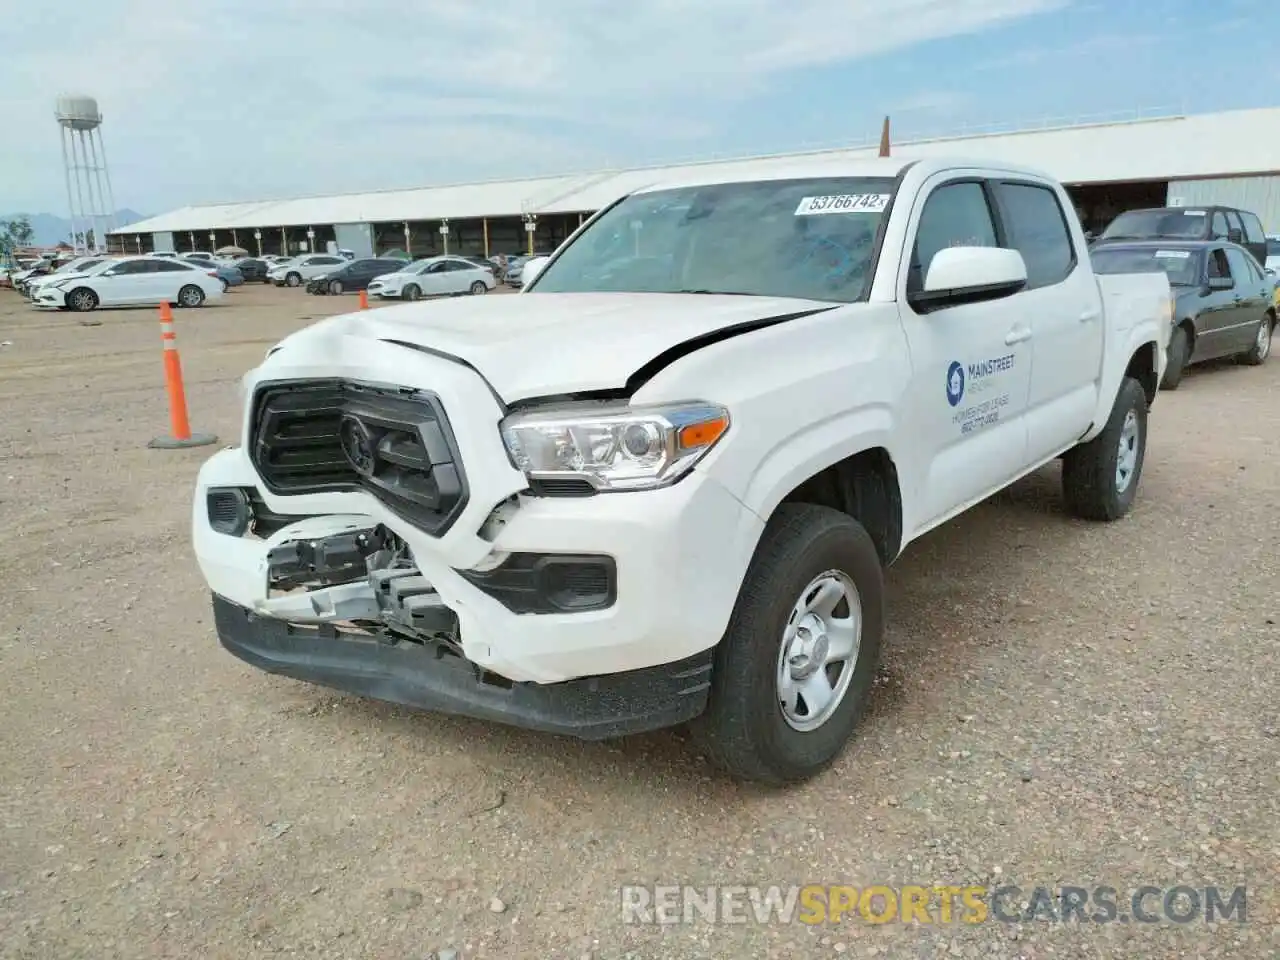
{"type": "Point", "coordinates": [1062, 704]}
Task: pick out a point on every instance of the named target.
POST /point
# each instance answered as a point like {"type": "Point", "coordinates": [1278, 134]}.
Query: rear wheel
{"type": "Point", "coordinates": [411, 292]}
{"type": "Point", "coordinates": [335, 287]}
{"type": "Point", "coordinates": [794, 669]}
{"type": "Point", "coordinates": [1100, 478]}
{"type": "Point", "coordinates": [1176, 358]}
{"type": "Point", "coordinates": [1261, 348]}
{"type": "Point", "coordinates": [82, 300]}
{"type": "Point", "coordinates": [478, 288]}
{"type": "Point", "coordinates": [190, 296]}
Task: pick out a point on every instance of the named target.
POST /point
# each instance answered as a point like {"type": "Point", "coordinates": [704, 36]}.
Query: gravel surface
{"type": "Point", "coordinates": [1062, 703]}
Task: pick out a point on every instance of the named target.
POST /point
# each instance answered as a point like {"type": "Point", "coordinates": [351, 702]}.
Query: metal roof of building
{"type": "Point", "coordinates": [1231, 143]}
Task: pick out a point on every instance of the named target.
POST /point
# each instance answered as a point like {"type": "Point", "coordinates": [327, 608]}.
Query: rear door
{"type": "Point", "coordinates": [1062, 305]}
{"type": "Point", "coordinates": [1250, 297]}
{"type": "Point", "coordinates": [1255, 239]}
{"type": "Point", "coordinates": [167, 277]}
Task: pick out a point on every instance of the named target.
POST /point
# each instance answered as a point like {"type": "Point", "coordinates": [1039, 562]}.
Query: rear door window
{"type": "Point", "coordinates": [1037, 228]}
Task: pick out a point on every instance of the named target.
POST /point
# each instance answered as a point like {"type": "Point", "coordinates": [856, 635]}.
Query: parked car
{"type": "Point", "coordinates": [199, 255]}
{"type": "Point", "coordinates": [299, 270]}
{"type": "Point", "coordinates": [434, 277]}
{"type": "Point", "coordinates": [1225, 224]}
{"type": "Point", "coordinates": [352, 276]}
{"type": "Point", "coordinates": [170, 254]}
{"type": "Point", "coordinates": [515, 269]}
{"type": "Point", "coordinates": [484, 262]}
{"type": "Point", "coordinates": [1223, 302]}
{"type": "Point", "coordinates": [228, 275]}
{"type": "Point", "coordinates": [132, 281]}
{"type": "Point", "coordinates": [1273, 253]}
{"type": "Point", "coordinates": [253, 269]}
{"type": "Point", "coordinates": [81, 265]}
{"type": "Point", "coordinates": [704, 461]}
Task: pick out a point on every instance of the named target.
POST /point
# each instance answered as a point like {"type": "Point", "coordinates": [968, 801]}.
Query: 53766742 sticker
{"type": "Point", "coordinates": [843, 203]}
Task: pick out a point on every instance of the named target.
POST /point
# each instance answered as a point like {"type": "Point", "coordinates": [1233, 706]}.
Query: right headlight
{"type": "Point", "coordinates": [614, 447]}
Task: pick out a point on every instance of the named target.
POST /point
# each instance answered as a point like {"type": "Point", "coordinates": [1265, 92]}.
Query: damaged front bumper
{"type": "Point", "coordinates": [432, 676]}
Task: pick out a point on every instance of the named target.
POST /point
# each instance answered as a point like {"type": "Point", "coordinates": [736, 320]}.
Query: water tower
{"type": "Point", "coordinates": [84, 161]}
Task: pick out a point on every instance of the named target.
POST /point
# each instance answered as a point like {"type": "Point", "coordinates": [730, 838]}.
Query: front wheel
{"type": "Point", "coordinates": [335, 287]}
{"type": "Point", "coordinates": [293, 279]}
{"type": "Point", "coordinates": [411, 292]}
{"type": "Point", "coordinates": [1176, 359]}
{"type": "Point", "coordinates": [793, 672]}
{"type": "Point", "coordinates": [478, 288]}
{"type": "Point", "coordinates": [1261, 348]}
{"type": "Point", "coordinates": [190, 296]}
{"type": "Point", "coordinates": [82, 300]}
{"type": "Point", "coordinates": [225, 285]}
{"type": "Point", "coordinates": [1100, 478]}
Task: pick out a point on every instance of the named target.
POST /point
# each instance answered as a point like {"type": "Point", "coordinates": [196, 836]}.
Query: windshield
{"type": "Point", "coordinates": [810, 239]}
{"type": "Point", "coordinates": [1181, 266]}
{"type": "Point", "coordinates": [1139, 224]}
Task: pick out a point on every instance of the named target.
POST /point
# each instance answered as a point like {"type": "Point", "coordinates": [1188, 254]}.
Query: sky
{"type": "Point", "coordinates": [263, 99]}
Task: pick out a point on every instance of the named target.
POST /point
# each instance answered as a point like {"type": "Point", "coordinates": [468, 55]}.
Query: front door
{"type": "Point", "coordinates": [128, 283]}
{"type": "Point", "coordinates": [971, 364]}
{"type": "Point", "coordinates": [1219, 311]}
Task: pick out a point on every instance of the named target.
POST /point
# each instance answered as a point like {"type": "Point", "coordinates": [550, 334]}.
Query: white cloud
{"type": "Point", "coordinates": [245, 98]}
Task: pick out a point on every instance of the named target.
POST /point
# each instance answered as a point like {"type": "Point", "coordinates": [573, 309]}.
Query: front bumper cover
{"type": "Point", "coordinates": [431, 677]}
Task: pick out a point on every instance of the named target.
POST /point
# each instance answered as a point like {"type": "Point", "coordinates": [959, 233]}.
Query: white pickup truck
{"type": "Point", "coordinates": [663, 484]}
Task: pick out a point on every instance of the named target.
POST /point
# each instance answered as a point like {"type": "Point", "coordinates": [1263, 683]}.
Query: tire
{"type": "Point", "coordinates": [335, 287]}
{"type": "Point", "coordinates": [292, 280]}
{"type": "Point", "coordinates": [411, 292]}
{"type": "Point", "coordinates": [82, 300]}
{"type": "Point", "coordinates": [1092, 483]}
{"type": "Point", "coordinates": [225, 286]}
{"type": "Point", "coordinates": [746, 729]}
{"type": "Point", "coordinates": [1261, 348]}
{"type": "Point", "coordinates": [478, 288]}
{"type": "Point", "coordinates": [1178, 354]}
{"type": "Point", "coordinates": [190, 296]}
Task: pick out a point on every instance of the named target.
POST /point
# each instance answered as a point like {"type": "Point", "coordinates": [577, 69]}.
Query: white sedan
{"type": "Point", "coordinates": [434, 277]}
{"type": "Point", "coordinates": [299, 270]}
{"type": "Point", "coordinates": [132, 281]}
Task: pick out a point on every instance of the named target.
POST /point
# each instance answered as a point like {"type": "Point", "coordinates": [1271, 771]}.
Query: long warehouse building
{"type": "Point", "coordinates": [1231, 158]}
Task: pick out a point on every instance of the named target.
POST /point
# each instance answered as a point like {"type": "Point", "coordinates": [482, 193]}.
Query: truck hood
{"type": "Point", "coordinates": [545, 344]}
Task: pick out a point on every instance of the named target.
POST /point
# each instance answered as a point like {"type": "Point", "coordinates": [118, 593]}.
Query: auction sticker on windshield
{"type": "Point", "coordinates": [843, 203]}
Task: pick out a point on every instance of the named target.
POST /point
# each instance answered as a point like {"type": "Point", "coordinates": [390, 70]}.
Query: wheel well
{"type": "Point", "coordinates": [1142, 367]}
{"type": "Point", "coordinates": [865, 486]}
{"type": "Point", "coordinates": [1190, 327]}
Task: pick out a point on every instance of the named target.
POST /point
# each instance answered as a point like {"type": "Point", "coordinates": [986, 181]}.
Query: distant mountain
{"type": "Point", "coordinates": [50, 229]}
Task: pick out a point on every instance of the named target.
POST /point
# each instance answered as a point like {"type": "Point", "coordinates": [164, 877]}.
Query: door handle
{"type": "Point", "coordinates": [1017, 335]}
{"type": "Point", "coordinates": [1089, 315]}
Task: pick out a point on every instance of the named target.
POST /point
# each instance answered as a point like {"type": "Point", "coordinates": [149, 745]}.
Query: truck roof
{"type": "Point", "coordinates": [800, 168]}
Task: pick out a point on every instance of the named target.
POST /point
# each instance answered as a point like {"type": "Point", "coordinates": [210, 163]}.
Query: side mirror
{"type": "Point", "coordinates": [531, 270]}
{"type": "Point", "coordinates": [959, 275]}
{"type": "Point", "coordinates": [1221, 283]}
{"type": "Point", "coordinates": [1271, 273]}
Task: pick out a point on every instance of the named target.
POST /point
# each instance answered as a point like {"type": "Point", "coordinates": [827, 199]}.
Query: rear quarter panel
{"type": "Point", "coordinates": [1137, 310]}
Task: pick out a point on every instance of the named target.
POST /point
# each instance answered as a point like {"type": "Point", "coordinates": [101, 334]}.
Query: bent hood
{"type": "Point", "coordinates": [544, 344]}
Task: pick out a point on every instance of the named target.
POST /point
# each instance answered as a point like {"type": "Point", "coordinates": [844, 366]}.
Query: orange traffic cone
{"type": "Point", "coordinates": [364, 299]}
{"type": "Point", "coordinates": [181, 435]}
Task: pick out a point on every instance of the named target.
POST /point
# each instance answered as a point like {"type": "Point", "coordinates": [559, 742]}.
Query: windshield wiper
{"type": "Point", "coordinates": [718, 293]}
